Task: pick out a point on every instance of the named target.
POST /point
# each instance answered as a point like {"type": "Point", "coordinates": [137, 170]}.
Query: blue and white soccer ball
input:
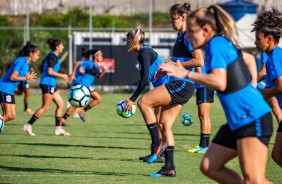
{"type": "Point", "coordinates": [187, 119]}
{"type": "Point", "coordinates": [120, 109]}
{"type": "Point", "coordinates": [79, 96]}
{"type": "Point", "coordinates": [1, 124]}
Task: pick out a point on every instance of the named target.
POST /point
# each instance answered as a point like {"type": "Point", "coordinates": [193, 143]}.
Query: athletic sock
{"type": "Point", "coordinates": [25, 106]}
{"type": "Point", "coordinates": [87, 108]}
{"type": "Point", "coordinates": [154, 132]}
{"type": "Point", "coordinates": [58, 120]}
{"type": "Point", "coordinates": [204, 140]}
{"type": "Point", "coordinates": [65, 116]}
{"type": "Point", "coordinates": [169, 163]}
{"type": "Point", "coordinates": [32, 119]}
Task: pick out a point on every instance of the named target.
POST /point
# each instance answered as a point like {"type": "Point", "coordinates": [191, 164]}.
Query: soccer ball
{"type": "Point", "coordinates": [1, 124]}
{"type": "Point", "coordinates": [187, 119]}
{"type": "Point", "coordinates": [120, 109]}
{"type": "Point", "coordinates": [79, 96]}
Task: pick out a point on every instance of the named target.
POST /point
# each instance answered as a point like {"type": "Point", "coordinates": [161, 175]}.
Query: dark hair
{"type": "Point", "coordinates": [85, 53]}
{"type": "Point", "coordinates": [269, 22]}
{"type": "Point", "coordinates": [180, 9]}
{"type": "Point", "coordinates": [27, 49]}
{"type": "Point", "coordinates": [53, 43]}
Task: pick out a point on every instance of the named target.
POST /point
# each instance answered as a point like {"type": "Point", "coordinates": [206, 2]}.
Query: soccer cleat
{"type": "Point", "coordinates": [29, 111]}
{"type": "Point", "coordinates": [1, 124]}
{"type": "Point", "coordinates": [82, 117]}
{"type": "Point", "coordinates": [164, 172]}
{"type": "Point", "coordinates": [28, 129]}
{"type": "Point", "coordinates": [159, 159]}
{"type": "Point", "coordinates": [156, 154]}
{"type": "Point", "coordinates": [198, 149]}
{"type": "Point", "coordinates": [60, 131]}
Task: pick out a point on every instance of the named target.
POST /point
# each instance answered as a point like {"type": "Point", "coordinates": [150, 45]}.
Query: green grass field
{"type": "Point", "coordinates": [105, 149]}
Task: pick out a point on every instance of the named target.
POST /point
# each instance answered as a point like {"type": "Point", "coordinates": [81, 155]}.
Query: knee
{"type": "Point", "coordinates": [99, 100]}
{"type": "Point", "coordinates": [45, 108]}
{"type": "Point", "coordinates": [206, 167]}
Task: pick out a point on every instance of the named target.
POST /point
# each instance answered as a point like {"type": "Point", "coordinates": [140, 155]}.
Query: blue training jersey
{"type": "Point", "coordinates": [182, 51]}
{"type": "Point", "coordinates": [78, 75]}
{"type": "Point", "coordinates": [52, 61]}
{"type": "Point", "coordinates": [274, 70]}
{"type": "Point", "coordinates": [238, 108]}
{"type": "Point", "coordinates": [20, 65]}
{"type": "Point", "coordinates": [87, 79]}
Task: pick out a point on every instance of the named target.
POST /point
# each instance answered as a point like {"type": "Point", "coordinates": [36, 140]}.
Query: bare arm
{"type": "Point", "coordinates": [275, 90]}
{"type": "Point", "coordinates": [251, 63]}
{"type": "Point", "coordinates": [216, 79]}
{"type": "Point", "coordinates": [15, 76]}
{"type": "Point", "coordinates": [57, 74]}
{"type": "Point", "coordinates": [197, 61]}
{"type": "Point", "coordinates": [261, 73]}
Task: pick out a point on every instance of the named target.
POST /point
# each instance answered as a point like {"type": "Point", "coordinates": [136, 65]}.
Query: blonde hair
{"type": "Point", "coordinates": [137, 35]}
{"type": "Point", "coordinates": [220, 21]}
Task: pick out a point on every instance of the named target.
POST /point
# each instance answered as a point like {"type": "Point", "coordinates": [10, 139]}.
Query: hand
{"type": "Point", "coordinates": [65, 76]}
{"type": "Point", "coordinates": [129, 105]}
{"type": "Point", "coordinates": [71, 78]}
{"type": "Point", "coordinates": [176, 69]}
{"type": "Point", "coordinates": [31, 76]}
{"type": "Point", "coordinates": [159, 74]}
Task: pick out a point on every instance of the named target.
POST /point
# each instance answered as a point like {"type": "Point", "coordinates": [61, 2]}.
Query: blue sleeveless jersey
{"type": "Point", "coordinates": [244, 105]}
{"type": "Point", "coordinates": [20, 65]}
{"type": "Point", "coordinates": [274, 70]}
{"type": "Point", "coordinates": [46, 79]}
{"type": "Point", "coordinates": [154, 67]}
{"type": "Point", "coordinates": [182, 53]}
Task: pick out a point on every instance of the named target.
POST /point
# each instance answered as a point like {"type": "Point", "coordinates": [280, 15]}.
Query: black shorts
{"type": "Point", "coordinates": [180, 91]}
{"type": "Point", "coordinates": [23, 85]}
{"type": "Point", "coordinates": [47, 89]}
{"type": "Point", "coordinates": [204, 95]}
{"type": "Point", "coordinates": [279, 127]}
{"type": "Point", "coordinates": [262, 129]}
{"type": "Point", "coordinates": [7, 98]}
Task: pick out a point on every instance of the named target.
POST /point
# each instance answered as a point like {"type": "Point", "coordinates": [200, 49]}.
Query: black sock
{"type": "Point", "coordinates": [87, 108]}
{"type": "Point", "coordinates": [169, 163]}
{"type": "Point", "coordinates": [65, 116]}
{"type": "Point", "coordinates": [207, 137]}
{"type": "Point", "coordinates": [32, 119]}
{"type": "Point", "coordinates": [204, 140]}
{"type": "Point", "coordinates": [58, 120]}
{"type": "Point", "coordinates": [25, 106]}
{"type": "Point", "coordinates": [154, 132]}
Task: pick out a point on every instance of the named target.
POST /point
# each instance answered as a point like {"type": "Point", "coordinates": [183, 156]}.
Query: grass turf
{"type": "Point", "coordinates": [105, 149]}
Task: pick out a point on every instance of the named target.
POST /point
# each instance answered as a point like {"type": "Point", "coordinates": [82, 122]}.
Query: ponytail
{"type": "Point", "coordinates": [220, 21]}
{"type": "Point", "coordinates": [27, 49]}
{"type": "Point", "coordinates": [137, 35]}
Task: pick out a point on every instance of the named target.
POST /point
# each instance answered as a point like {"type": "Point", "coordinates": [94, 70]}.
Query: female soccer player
{"type": "Point", "coordinates": [89, 70]}
{"type": "Point", "coordinates": [148, 61]}
{"type": "Point", "coordinates": [51, 66]}
{"type": "Point", "coordinates": [19, 71]}
{"type": "Point", "coordinates": [249, 122]}
{"type": "Point", "coordinates": [183, 51]}
{"type": "Point", "coordinates": [268, 30]}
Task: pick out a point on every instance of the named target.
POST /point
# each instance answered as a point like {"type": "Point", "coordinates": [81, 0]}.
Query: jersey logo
{"type": "Point", "coordinates": [180, 40]}
{"type": "Point", "coordinates": [8, 98]}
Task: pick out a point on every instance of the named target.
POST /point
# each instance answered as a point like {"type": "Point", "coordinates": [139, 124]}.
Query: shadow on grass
{"type": "Point", "coordinates": [70, 157]}
{"type": "Point", "coordinates": [79, 146]}
{"type": "Point", "coordinates": [62, 171]}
